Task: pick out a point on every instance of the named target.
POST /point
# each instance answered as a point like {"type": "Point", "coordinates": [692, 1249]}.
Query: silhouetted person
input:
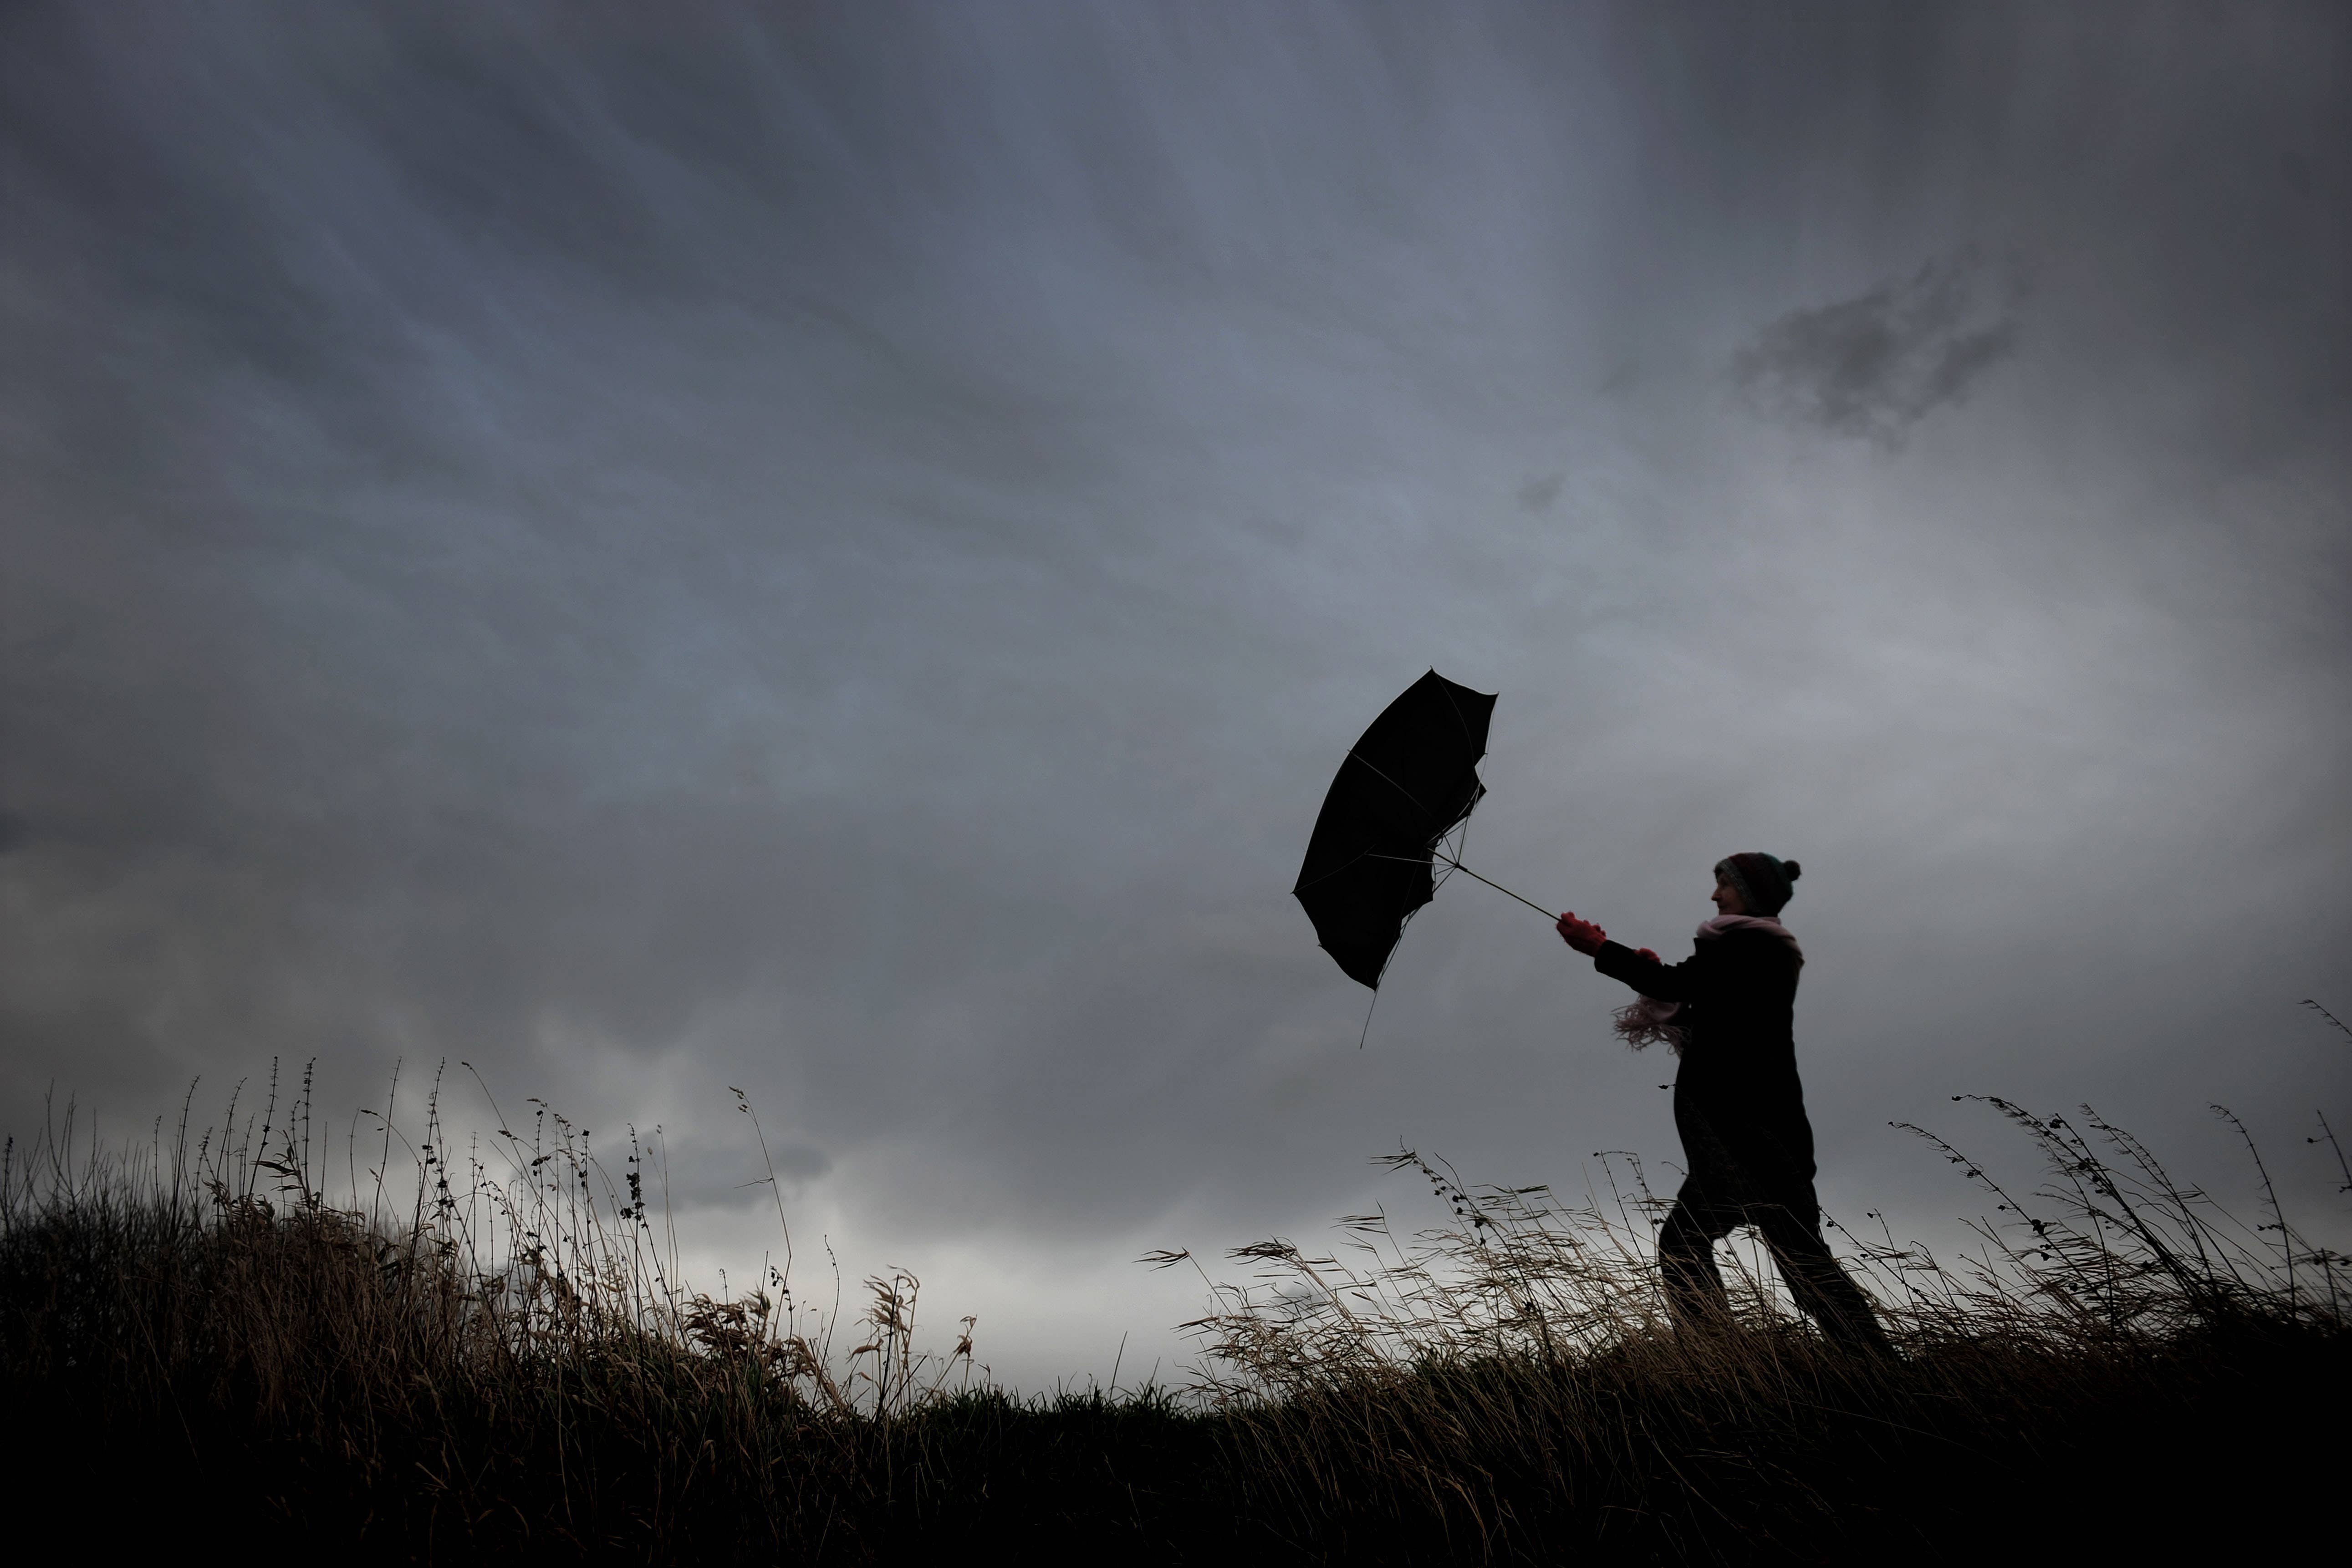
{"type": "Point", "coordinates": [1727, 1010]}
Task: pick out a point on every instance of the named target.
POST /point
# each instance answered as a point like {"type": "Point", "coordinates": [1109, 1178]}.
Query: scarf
{"type": "Point", "coordinates": [1645, 1021]}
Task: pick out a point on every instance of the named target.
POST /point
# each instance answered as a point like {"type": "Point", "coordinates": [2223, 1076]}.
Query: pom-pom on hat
{"type": "Point", "coordinates": [1762, 882]}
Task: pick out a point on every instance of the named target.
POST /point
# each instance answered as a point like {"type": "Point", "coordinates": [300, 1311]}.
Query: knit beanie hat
{"type": "Point", "coordinates": [1761, 881]}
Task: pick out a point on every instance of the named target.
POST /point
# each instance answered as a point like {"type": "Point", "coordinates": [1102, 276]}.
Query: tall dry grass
{"type": "Point", "coordinates": [469, 1349]}
{"type": "Point", "coordinates": [461, 1351]}
{"type": "Point", "coordinates": [1507, 1383]}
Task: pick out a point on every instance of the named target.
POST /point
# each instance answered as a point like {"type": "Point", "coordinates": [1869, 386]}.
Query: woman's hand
{"type": "Point", "coordinates": [1582, 935]}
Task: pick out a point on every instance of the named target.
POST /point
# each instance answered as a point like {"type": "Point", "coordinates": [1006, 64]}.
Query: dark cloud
{"type": "Point", "coordinates": [1874, 366]}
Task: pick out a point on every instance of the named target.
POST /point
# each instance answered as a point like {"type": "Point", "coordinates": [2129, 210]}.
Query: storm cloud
{"type": "Point", "coordinates": [834, 551]}
{"type": "Point", "coordinates": [1874, 366]}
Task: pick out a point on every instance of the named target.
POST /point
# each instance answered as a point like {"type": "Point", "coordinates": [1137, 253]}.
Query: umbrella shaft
{"type": "Point", "coordinates": [1498, 887]}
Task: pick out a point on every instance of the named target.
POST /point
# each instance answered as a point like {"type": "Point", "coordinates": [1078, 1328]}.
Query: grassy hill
{"type": "Point", "coordinates": [196, 1344]}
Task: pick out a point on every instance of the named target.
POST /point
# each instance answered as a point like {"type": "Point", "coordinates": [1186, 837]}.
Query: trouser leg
{"type": "Point", "coordinates": [1686, 1259]}
{"type": "Point", "coordinates": [1822, 1287]}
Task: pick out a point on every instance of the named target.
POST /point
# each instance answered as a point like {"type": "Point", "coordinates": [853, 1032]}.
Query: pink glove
{"type": "Point", "coordinates": [1582, 935]}
{"type": "Point", "coordinates": [1648, 956]}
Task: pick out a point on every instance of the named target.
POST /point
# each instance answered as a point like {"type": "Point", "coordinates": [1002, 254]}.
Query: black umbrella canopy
{"type": "Point", "coordinates": [1409, 782]}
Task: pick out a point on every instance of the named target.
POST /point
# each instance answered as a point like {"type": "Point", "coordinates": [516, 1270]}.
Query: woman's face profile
{"type": "Point", "coordinates": [1728, 900]}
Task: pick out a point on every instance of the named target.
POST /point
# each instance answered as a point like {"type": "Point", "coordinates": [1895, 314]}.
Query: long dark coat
{"type": "Point", "coordinates": [1738, 1103]}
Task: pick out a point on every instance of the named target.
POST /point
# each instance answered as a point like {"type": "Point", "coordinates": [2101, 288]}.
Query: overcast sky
{"type": "Point", "coordinates": [835, 550]}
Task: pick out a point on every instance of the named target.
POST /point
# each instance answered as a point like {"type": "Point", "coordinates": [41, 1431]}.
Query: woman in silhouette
{"type": "Point", "coordinates": [1726, 1012]}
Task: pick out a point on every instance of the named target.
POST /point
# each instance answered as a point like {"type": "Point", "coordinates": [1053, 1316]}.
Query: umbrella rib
{"type": "Point", "coordinates": [1388, 781]}
{"type": "Point", "coordinates": [1384, 778]}
{"type": "Point", "coordinates": [1456, 707]}
{"type": "Point", "coordinates": [1359, 855]}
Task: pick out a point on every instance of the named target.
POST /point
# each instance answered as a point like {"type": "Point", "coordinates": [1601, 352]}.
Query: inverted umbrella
{"type": "Point", "coordinates": [1408, 782]}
